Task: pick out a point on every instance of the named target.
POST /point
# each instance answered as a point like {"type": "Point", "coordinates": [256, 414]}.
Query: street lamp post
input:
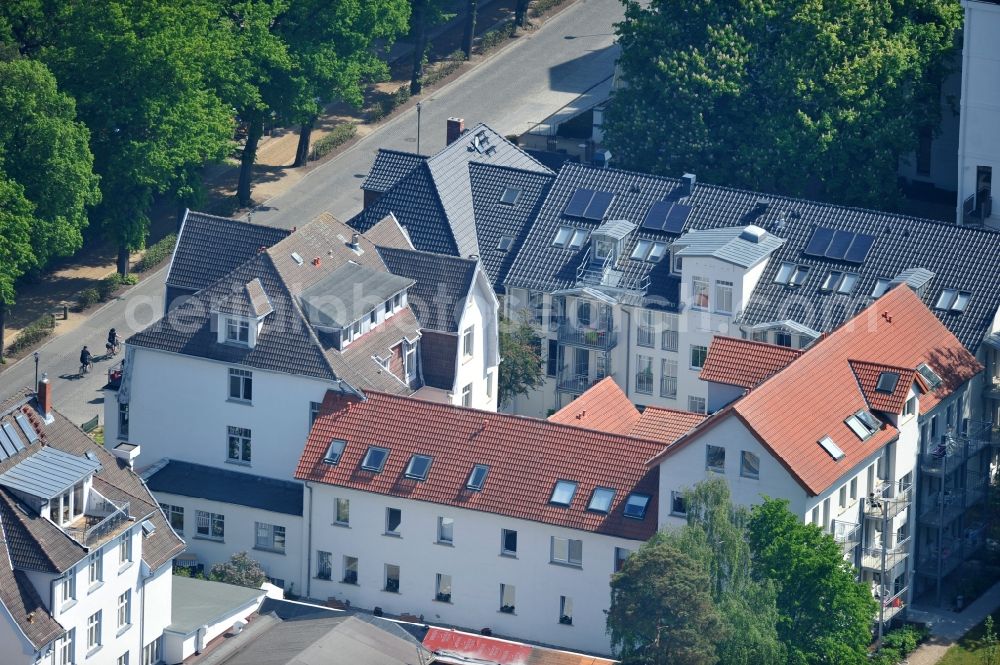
{"type": "Point", "coordinates": [418, 127]}
{"type": "Point", "coordinates": [36, 371]}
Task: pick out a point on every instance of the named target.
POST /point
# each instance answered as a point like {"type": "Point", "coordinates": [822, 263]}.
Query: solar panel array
{"type": "Point", "coordinates": [666, 216]}
{"type": "Point", "coordinates": [589, 204]}
{"type": "Point", "coordinates": [839, 245]}
{"type": "Point", "coordinates": [10, 442]}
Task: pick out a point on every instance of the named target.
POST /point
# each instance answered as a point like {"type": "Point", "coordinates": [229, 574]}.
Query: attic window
{"type": "Point", "coordinates": [478, 477]}
{"type": "Point", "coordinates": [510, 196]}
{"type": "Point", "coordinates": [932, 377]}
{"type": "Point", "coordinates": [505, 243]}
{"type": "Point", "coordinates": [839, 281]}
{"type": "Point", "coordinates": [562, 236]}
{"type": "Point", "coordinates": [953, 300]}
{"type": "Point", "coordinates": [29, 431]}
{"type": "Point", "coordinates": [600, 500]}
{"type": "Point", "coordinates": [862, 423]}
{"type": "Point", "coordinates": [636, 505]}
{"type": "Point", "coordinates": [334, 451]}
{"type": "Point", "coordinates": [418, 467]}
{"type": "Point", "coordinates": [881, 286]}
{"type": "Point", "coordinates": [887, 382]}
{"type": "Point", "coordinates": [579, 238]}
{"type": "Point", "coordinates": [647, 250]}
{"type": "Point", "coordinates": [563, 493]}
{"type": "Point", "coordinates": [148, 528]}
{"type": "Point", "coordinates": [832, 448]}
{"type": "Point", "coordinates": [375, 459]}
{"type": "Point", "coordinates": [791, 274]}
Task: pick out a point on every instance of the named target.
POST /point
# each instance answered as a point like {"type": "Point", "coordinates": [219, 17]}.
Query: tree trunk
{"type": "Point", "coordinates": [419, 45]}
{"type": "Point", "coordinates": [520, 12]}
{"type": "Point", "coordinates": [247, 159]}
{"type": "Point", "coordinates": [470, 27]}
{"type": "Point", "coordinates": [3, 323]}
{"type": "Point", "coordinates": [302, 151]}
{"type": "Point", "coordinates": [123, 255]}
{"type": "Point", "coordinates": [181, 209]}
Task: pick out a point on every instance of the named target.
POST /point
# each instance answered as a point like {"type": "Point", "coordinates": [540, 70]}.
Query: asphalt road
{"type": "Point", "coordinates": [513, 90]}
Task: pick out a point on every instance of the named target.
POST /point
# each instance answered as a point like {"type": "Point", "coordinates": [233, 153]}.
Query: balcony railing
{"type": "Point", "coordinates": [992, 387]}
{"type": "Point", "coordinates": [646, 336]}
{"type": "Point", "coordinates": [668, 340]}
{"type": "Point", "coordinates": [892, 605]}
{"type": "Point", "coordinates": [977, 208]}
{"type": "Point", "coordinates": [893, 554]}
{"type": "Point", "coordinates": [572, 382]}
{"type": "Point", "coordinates": [107, 526]}
{"type": "Point", "coordinates": [889, 500]}
{"type": "Point", "coordinates": [847, 534]}
{"type": "Point", "coordinates": [101, 519]}
{"type": "Point", "coordinates": [592, 338]}
{"type": "Point", "coordinates": [644, 383]}
{"type": "Point", "coordinates": [668, 387]}
{"type": "Point", "coordinates": [951, 449]}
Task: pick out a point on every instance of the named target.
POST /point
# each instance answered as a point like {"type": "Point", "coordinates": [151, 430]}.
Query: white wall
{"type": "Point", "coordinates": [480, 312]}
{"type": "Point", "coordinates": [13, 644]}
{"type": "Point", "coordinates": [159, 591]}
{"type": "Point", "coordinates": [475, 564]}
{"type": "Point", "coordinates": [178, 647]}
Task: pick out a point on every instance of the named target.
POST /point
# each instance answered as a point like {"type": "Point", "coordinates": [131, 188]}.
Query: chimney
{"type": "Point", "coordinates": [689, 180]}
{"type": "Point", "coordinates": [44, 397]}
{"type": "Point", "coordinates": [456, 127]}
{"type": "Point", "coordinates": [355, 241]}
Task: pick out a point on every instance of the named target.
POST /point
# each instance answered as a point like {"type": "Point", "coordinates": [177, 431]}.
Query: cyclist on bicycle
{"type": "Point", "coordinates": [113, 342]}
{"type": "Point", "coordinates": [85, 359]}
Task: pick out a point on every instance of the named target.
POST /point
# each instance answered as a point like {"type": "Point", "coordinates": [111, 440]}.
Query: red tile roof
{"type": "Point", "coordinates": [526, 456]}
{"type": "Point", "coordinates": [867, 375]}
{"type": "Point", "coordinates": [790, 412]}
{"type": "Point", "coordinates": [666, 425]}
{"type": "Point", "coordinates": [745, 363]}
{"type": "Point", "coordinates": [457, 646]}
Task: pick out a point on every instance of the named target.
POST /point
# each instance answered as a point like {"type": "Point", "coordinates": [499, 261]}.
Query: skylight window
{"type": "Point", "coordinates": [26, 427]}
{"type": "Point", "coordinates": [563, 493]}
{"type": "Point", "coordinates": [933, 378]}
{"type": "Point", "coordinates": [832, 448]}
{"type": "Point", "coordinates": [839, 281]}
{"type": "Point", "coordinates": [335, 451]}
{"type": "Point", "coordinates": [579, 238]}
{"type": "Point", "coordinates": [600, 500]}
{"type": "Point", "coordinates": [375, 459]}
{"type": "Point", "coordinates": [478, 477]}
{"type": "Point", "coordinates": [953, 300]}
{"type": "Point", "coordinates": [961, 302]}
{"type": "Point", "coordinates": [887, 382]}
{"type": "Point", "coordinates": [636, 505]}
{"type": "Point", "coordinates": [562, 236]}
{"type": "Point", "coordinates": [799, 275]}
{"type": "Point", "coordinates": [647, 250]}
{"type": "Point", "coordinates": [862, 423]}
{"type": "Point", "coordinates": [784, 273]}
{"type": "Point", "coordinates": [655, 254]}
{"type": "Point", "coordinates": [505, 243]}
{"type": "Point", "coordinates": [418, 467]}
{"type": "Point", "coordinates": [881, 286]}
{"type": "Point", "coordinates": [791, 274]}
{"type": "Point", "coordinates": [510, 196]}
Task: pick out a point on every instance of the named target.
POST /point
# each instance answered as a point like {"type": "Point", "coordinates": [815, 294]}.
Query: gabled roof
{"type": "Point", "coordinates": [232, 243]}
{"type": "Point", "coordinates": [48, 473]}
{"type": "Point", "coordinates": [19, 597]}
{"type": "Point", "coordinates": [460, 648]}
{"type": "Point", "coordinates": [744, 363]}
{"type": "Point", "coordinates": [207, 482]}
{"type": "Point", "coordinates": [666, 425]}
{"type": "Point", "coordinates": [811, 398]}
{"type": "Point", "coordinates": [525, 456]}
{"type": "Point", "coordinates": [389, 167]}
{"type": "Point", "coordinates": [441, 285]}
{"type": "Point", "coordinates": [900, 380]}
{"type": "Point", "coordinates": [389, 233]}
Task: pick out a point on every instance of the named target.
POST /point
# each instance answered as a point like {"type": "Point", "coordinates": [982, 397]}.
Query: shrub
{"type": "Point", "coordinates": [33, 333]}
{"type": "Point", "coordinates": [107, 286]}
{"type": "Point", "coordinates": [156, 253]}
{"type": "Point", "coordinates": [444, 68]}
{"type": "Point", "coordinates": [87, 297]}
{"type": "Point", "coordinates": [401, 96]}
{"type": "Point", "coordinates": [539, 7]}
{"type": "Point", "coordinates": [340, 135]}
{"type": "Point", "coordinates": [377, 111]}
{"type": "Point", "coordinates": [240, 570]}
{"type": "Point", "coordinates": [494, 38]}
{"type": "Point", "coordinates": [904, 639]}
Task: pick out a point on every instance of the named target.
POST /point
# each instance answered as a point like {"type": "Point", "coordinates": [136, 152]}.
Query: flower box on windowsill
{"type": "Point", "coordinates": [350, 578]}
{"type": "Point", "coordinates": [565, 620]}
{"type": "Point", "coordinates": [507, 609]}
{"type": "Point", "coordinates": [392, 586]}
{"type": "Point", "coordinates": [444, 597]}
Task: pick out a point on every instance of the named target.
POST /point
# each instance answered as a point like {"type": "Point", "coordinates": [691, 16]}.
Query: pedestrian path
{"type": "Point", "coordinates": [948, 627]}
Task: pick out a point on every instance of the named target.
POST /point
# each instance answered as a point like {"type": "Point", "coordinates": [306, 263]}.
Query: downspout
{"type": "Point", "coordinates": [962, 130]}
{"type": "Point", "coordinates": [142, 610]}
{"type": "Point", "coordinates": [628, 349]}
{"type": "Point", "coordinates": [309, 540]}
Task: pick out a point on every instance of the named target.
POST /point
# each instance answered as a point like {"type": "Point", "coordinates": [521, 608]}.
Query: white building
{"type": "Point", "coordinates": [850, 433]}
{"type": "Point", "coordinates": [473, 519]}
{"type": "Point", "coordinates": [85, 558]}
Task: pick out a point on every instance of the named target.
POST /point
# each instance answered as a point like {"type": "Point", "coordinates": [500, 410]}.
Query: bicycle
{"type": "Point", "coordinates": [113, 349]}
{"type": "Point", "coordinates": [85, 367]}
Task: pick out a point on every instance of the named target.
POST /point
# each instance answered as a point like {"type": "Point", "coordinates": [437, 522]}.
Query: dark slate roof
{"type": "Point", "coordinates": [232, 243]}
{"type": "Point", "coordinates": [244, 489]}
{"type": "Point", "coordinates": [553, 160]}
{"type": "Point", "coordinates": [961, 258]}
{"type": "Point", "coordinates": [390, 167]}
{"type": "Point", "coordinates": [441, 286]}
{"type": "Point", "coordinates": [348, 293]}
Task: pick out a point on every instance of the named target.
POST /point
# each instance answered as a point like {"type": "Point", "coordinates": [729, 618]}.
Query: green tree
{"type": "Point", "coordinates": [424, 14]}
{"type": "Point", "coordinates": [824, 614]}
{"type": "Point", "coordinates": [16, 255]}
{"type": "Point", "coordinates": [804, 98]}
{"type": "Point", "coordinates": [662, 611]}
{"type": "Point", "coordinates": [520, 360]}
{"type": "Point", "coordinates": [240, 570]}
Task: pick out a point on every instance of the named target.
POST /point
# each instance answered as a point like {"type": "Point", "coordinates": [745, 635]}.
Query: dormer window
{"type": "Point", "coordinates": [603, 248]}
{"type": "Point", "coordinates": [237, 330]}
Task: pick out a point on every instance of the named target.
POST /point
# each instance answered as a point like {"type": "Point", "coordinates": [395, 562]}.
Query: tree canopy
{"type": "Point", "coordinates": [240, 570]}
{"type": "Point", "coordinates": [520, 361]}
{"type": "Point", "coordinates": [815, 99]}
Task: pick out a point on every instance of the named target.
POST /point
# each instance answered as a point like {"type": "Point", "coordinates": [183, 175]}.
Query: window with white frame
{"type": "Point", "coordinates": [240, 384]}
{"type": "Point", "coordinates": [269, 537]}
{"type": "Point", "coordinates": [715, 458]}
{"type": "Point", "coordinates": [125, 549]}
{"type": "Point", "coordinates": [566, 610]}
{"type": "Point", "coordinates": [391, 578]}
{"type": "Point", "coordinates": [854, 488]}
{"type": "Point", "coordinates": [668, 378]}
{"type": "Point", "coordinates": [568, 551]}
{"type": "Point", "coordinates": [647, 332]}
{"type": "Point", "coordinates": [489, 384]}
{"type": "Point", "coordinates": [644, 374]}
{"type": "Point", "coordinates": [699, 292]}
{"type": "Point", "coordinates": [95, 567]}
{"type": "Point", "coordinates": [678, 505]}
{"type": "Point", "coordinates": [508, 542]}
{"type": "Point", "coordinates": [696, 404]}
{"type": "Point", "coordinates": [468, 340]}
{"type": "Point", "coordinates": [125, 609]}
{"type": "Point", "coordinates": [409, 361]}
{"type": "Point", "coordinates": [698, 355]}
{"type": "Point", "coordinates": [314, 412]}
{"type": "Point", "coordinates": [749, 465]}
{"type": "Point", "coordinates": [508, 598]}
{"type": "Point", "coordinates": [536, 305]}
{"type": "Point", "coordinates": [350, 570]}
{"type": "Point", "coordinates": [446, 530]}
{"type": "Point", "coordinates": [237, 330]}
{"type": "Point", "coordinates": [467, 395]}
{"type": "Point", "coordinates": [324, 565]}
{"type": "Point", "coordinates": [782, 338]}
{"type": "Point", "coordinates": [94, 631]}
{"type": "Point", "coordinates": [122, 659]}
{"type": "Point", "coordinates": [393, 520]}
{"type": "Point", "coordinates": [621, 554]}
{"type": "Point", "coordinates": [123, 421]}
{"type": "Point", "coordinates": [842, 496]}
{"type": "Point", "coordinates": [67, 589]}
{"type": "Point", "coordinates": [238, 444]}
{"type": "Point", "coordinates": [152, 653]}
{"type": "Point", "coordinates": [669, 334]}
{"type": "Point", "coordinates": [210, 525]}
{"type": "Point", "coordinates": [724, 297]}
{"type": "Point", "coordinates": [342, 511]}
{"type": "Point", "coordinates": [442, 588]}
{"type": "Point", "coordinates": [175, 516]}
{"type": "Point", "coordinates": [583, 313]}
{"type": "Point", "coordinates": [64, 648]}
{"type": "Point", "coordinates": [910, 407]}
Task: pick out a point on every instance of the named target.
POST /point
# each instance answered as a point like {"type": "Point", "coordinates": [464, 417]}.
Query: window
{"type": "Point", "coordinates": [562, 236]}
{"type": "Point", "coordinates": [507, 598]}
{"type": "Point", "coordinates": [601, 499]}
{"type": "Point", "coordinates": [210, 525]}
{"type": "Point", "coordinates": [342, 511]}
{"type": "Point", "coordinates": [239, 444]}
{"type": "Point", "coordinates": [175, 516]}
{"type": "Point", "coordinates": [932, 377]}
{"type": "Point", "coordinates": [759, 336]}
{"type": "Point", "coordinates": [387, 308]}
{"type": "Point", "coordinates": [67, 589]}
{"type": "Point", "coordinates": [910, 408]}
{"type": "Point", "coordinates": [350, 570]}
{"type": "Point", "coordinates": [698, 354]}
{"type": "Point", "coordinates": [125, 548]}
{"type": "Point", "coordinates": [314, 412]}
{"type": "Point", "coordinates": [749, 465]}
{"type": "Point", "coordinates": [391, 578]}
{"type": "Point", "coordinates": [552, 360]}
{"type": "Point", "coordinates": [699, 292]}
{"type": "Point", "coordinates": [668, 378]}
{"type": "Point", "coordinates": [862, 423]}
{"type": "Point", "coordinates": [566, 610]}
{"type": "Point", "coordinates": [815, 516]}
{"type": "Point", "coordinates": [334, 452]}
{"type": "Point", "coordinates": [123, 421]}
{"type": "Point", "coordinates": [946, 299]}
{"type": "Point", "coordinates": [467, 395]}
{"type": "Point", "coordinates": [477, 477]}
{"type": "Point", "coordinates": [324, 565]}
{"type": "Point", "coordinates": [644, 374]}
{"type": "Point", "coordinates": [237, 330]}
{"type": "Point", "coordinates": [887, 382]}
{"type": "Point", "coordinates": [621, 554]}
{"type": "Point", "coordinates": [715, 458]}
{"type": "Point", "coordinates": [696, 404]}
{"type": "Point", "coordinates": [583, 313]}
{"type": "Point", "coordinates": [636, 505]}
{"type": "Point", "coordinates": [64, 648]}
{"type": "Point", "coordinates": [393, 520]}
{"type": "Point", "coordinates": [489, 384]}
{"type": "Point", "coordinates": [678, 505]}
{"type": "Point", "coordinates": [95, 567]}
{"type": "Point", "coordinates": [647, 334]}
{"type": "Point", "coordinates": [791, 274]}
{"type": "Point", "coordinates": [442, 588]}
{"type": "Point", "coordinates": [579, 238]}
{"type": "Point", "coordinates": [668, 338]}
{"type": "Point", "coordinates": [842, 496]}
{"type": "Point", "coordinates": [419, 467]}
{"type": "Point", "coordinates": [563, 492]}
{"type": "Point", "coordinates": [375, 459]}
{"type": "Point", "coordinates": [505, 243]}
{"type": "Point", "coordinates": [724, 297]}
{"type": "Point", "coordinates": [409, 360]}
{"type": "Point", "coordinates": [468, 337]}
{"type": "Point", "coordinates": [603, 248]}
{"type": "Point", "coordinates": [831, 448]}
{"type": "Point", "coordinates": [508, 542]}
{"type": "Point", "coordinates": [677, 264]}
{"type": "Point", "coordinates": [826, 514]}
{"type": "Point", "coordinates": [125, 608]}
{"type": "Point", "coordinates": [270, 537]}
{"type": "Point", "coordinates": [854, 488]}
{"type": "Point", "coordinates": [881, 286]}
{"type": "Point", "coordinates": [782, 338]}
{"type": "Point", "coordinates": [240, 385]}
{"type": "Point", "coordinates": [446, 530]}
{"type": "Point", "coordinates": [94, 630]}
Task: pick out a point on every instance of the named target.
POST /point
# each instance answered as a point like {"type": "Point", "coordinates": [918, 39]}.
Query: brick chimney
{"type": "Point", "coordinates": [44, 397]}
{"type": "Point", "coordinates": [456, 127]}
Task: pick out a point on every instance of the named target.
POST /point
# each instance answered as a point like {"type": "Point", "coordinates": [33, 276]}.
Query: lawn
{"type": "Point", "coordinates": [971, 649]}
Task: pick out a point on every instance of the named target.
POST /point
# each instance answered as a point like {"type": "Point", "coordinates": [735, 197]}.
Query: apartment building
{"type": "Point", "coordinates": [473, 519]}
{"type": "Point", "coordinates": [861, 433]}
{"type": "Point", "coordinates": [85, 558]}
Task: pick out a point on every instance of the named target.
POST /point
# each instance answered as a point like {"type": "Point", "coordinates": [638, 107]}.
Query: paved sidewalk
{"type": "Point", "coordinates": [948, 627]}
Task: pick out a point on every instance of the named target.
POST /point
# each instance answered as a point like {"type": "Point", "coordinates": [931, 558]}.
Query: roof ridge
{"type": "Point", "coordinates": [754, 342]}
{"type": "Point", "coordinates": [403, 152]}
{"type": "Point", "coordinates": [232, 220]}
{"type": "Point", "coordinates": [446, 257]}
{"type": "Point", "coordinates": [503, 138]}
{"type": "Point", "coordinates": [506, 167]}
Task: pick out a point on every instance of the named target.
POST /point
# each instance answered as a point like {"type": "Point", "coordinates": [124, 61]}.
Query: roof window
{"type": "Point", "coordinates": [505, 243]}
{"type": "Point", "coordinates": [647, 250]}
{"type": "Point", "coordinates": [887, 382]}
{"type": "Point", "coordinates": [953, 300]}
{"type": "Point", "coordinates": [839, 281]}
{"type": "Point", "coordinates": [832, 448]}
{"type": "Point", "coordinates": [791, 274]}
{"type": "Point", "coordinates": [477, 478]}
{"type": "Point", "coordinates": [334, 451]}
{"type": "Point", "coordinates": [881, 286]}
{"type": "Point", "coordinates": [568, 237]}
{"type": "Point", "coordinates": [26, 427]}
{"type": "Point", "coordinates": [933, 378]}
{"type": "Point", "coordinates": [298, 259]}
{"type": "Point", "coordinates": [600, 500]}
{"type": "Point", "coordinates": [375, 459]}
{"type": "Point", "coordinates": [563, 492]}
{"type": "Point", "coordinates": [862, 423]}
{"type": "Point", "coordinates": [636, 505]}
{"type": "Point", "coordinates": [510, 196]}
{"type": "Point", "coordinates": [419, 467]}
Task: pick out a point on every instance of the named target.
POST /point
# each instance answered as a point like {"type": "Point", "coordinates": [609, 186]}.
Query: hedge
{"type": "Point", "coordinates": [340, 135]}
{"type": "Point", "coordinates": [156, 253]}
{"type": "Point", "coordinates": [33, 333]}
{"type": "Point", "coordinates": [539, 7]}
{"type": "Point", "coordinates": [495, 38]}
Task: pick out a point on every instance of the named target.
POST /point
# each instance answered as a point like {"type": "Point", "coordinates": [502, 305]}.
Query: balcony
{"type": "Point", "coordinates": [938, 562]}
{"type": "Point", "coordinates": [977, 208]}
{"type": "Point", "coordinates": [893, 554]}
{"type": "Point", "coordinates": [847, 535]}
{"type": "Point", "coordinates": [992, 387]}
{"type": "Point", "coordinates": [892, 605]}
{"type": "Point", "coordinates": [571, 382]}
{"type": "Point", "coordinates": [101, 520]}
{"type": "Point", "coordinates": [590, 338]}
{"type": "Point", "coordinates": [890, 500]}
{"type": "Point", "coordinates": [668, 387]}
{"type": "Point", "coordinates": [952, 450]}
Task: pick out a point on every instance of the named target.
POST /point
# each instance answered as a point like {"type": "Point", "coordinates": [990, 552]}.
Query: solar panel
{"type": "Point", "coordinates": [839, 245]}
{"type": "Point", "coordinates": [859, 248]}
{"type": "Point", "coordinates": [578, 204]}
{"type": "Point", "coordinates": [657, 215]}
{"type": "Point", "coordinates": [14, 438]}
{"type": "Point", "coordinates": [819, 241]}
{"type": "Point", "coordinates": [599, 205]}
{"type": "Point", "coordinates": [26, 427]}
{"type": "Point", "coordinates": [676, 218]}
{"type": "Point", "coordinates": [6, 446]}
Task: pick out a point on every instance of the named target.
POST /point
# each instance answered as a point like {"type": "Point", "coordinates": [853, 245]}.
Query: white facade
{"type": "Point", "coordinates": [475, 562]}
{"type": "Point", "coordinates": [476, 366]}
